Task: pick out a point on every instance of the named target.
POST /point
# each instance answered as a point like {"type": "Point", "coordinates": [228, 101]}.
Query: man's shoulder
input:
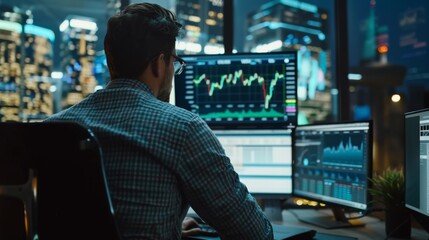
{"type": "Point", "coordinates": [174, 112]}
{"type": "Point", "coordinates": [64, 115]}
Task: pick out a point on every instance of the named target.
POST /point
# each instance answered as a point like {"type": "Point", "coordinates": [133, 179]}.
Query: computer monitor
{"type": "Point", "coordinates": [332, 165]}
{"type": "Point", "coordinates": [417, 165]}
{"type": "Point", "coordinates": [263, 160]}
{"type": "Point", "coordinates": [252, 90]}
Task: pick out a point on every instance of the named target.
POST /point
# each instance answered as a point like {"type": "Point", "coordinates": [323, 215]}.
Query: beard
{"type": "Point", "coordinates": [164, 96]}
{"type": "Point", "coordinates": [165, 90]}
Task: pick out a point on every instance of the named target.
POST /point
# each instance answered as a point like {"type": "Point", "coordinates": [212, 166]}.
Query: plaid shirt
{"type": "Point", "coordinates": [160, 159]}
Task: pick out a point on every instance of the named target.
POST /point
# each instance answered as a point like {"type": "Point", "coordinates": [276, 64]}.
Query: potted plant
{"type": "Point", "coordinates": [388, 190]}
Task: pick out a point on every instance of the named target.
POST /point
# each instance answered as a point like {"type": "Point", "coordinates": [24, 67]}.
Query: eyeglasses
{"type": "Point", "coordinates": [178, 64]}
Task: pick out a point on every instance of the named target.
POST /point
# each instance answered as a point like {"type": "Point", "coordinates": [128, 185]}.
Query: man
{"type": "Point", "coordinates": [160, 159]}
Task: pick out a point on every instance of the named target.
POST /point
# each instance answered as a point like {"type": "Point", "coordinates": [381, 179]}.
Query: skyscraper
{"type": "Point", "coordinates": [294, 25]}
{"type": "Point", "coordinates": [203, 26]}
{"type": "Point", "coordinates": [78, 50]}
{"type": "Point", "coordinates": [24, 96]}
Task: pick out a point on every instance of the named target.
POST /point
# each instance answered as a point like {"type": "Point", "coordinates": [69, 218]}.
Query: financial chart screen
{"type": "Point", "coordinates": [262, 159]}
{"type": "Point", "coordinates": [417, 161]}
{"type": "Point", "coordinates": [239, 90]}
{"type": "Point", "coordinates": [333, 162]}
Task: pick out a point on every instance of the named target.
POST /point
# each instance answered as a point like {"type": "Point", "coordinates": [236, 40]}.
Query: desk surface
{"type": "Point", "coordinates": [373, 229]}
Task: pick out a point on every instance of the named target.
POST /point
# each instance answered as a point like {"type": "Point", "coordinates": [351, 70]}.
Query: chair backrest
{"type": "Point", "coordinates": [71, 193]}
{"type": "Point", "coordinates": [17, 210]}
{"type": "Point", "coordinates": [12, 218]}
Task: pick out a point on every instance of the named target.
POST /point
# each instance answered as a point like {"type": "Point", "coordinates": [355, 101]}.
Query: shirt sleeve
{"type": "Point", "coordinates": [213, 189]}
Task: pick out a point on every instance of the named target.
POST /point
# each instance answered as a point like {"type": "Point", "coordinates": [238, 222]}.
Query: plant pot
{"type": "Point", "coordinates": [398, 222]}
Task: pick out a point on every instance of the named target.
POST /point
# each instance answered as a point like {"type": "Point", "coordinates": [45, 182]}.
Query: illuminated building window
{"type": "Point", "coordinates": [206, 23]}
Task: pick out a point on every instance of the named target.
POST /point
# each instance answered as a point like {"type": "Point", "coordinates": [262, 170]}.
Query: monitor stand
{"type": "Point", "coordinates": [338, 220]}
{"type": "Point", "coordinates": [273, 209]}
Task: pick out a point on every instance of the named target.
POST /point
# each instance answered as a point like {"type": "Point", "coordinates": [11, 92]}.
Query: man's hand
{"type": "Point", "coordinates": [190, 227]}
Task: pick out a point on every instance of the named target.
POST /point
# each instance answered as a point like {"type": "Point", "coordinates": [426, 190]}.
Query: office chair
{"type": "Point", "coordinates": [71, 194]}
{"type": "Point", "coordinates": [17, 216]}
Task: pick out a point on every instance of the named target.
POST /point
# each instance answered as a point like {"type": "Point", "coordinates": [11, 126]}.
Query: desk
{"type": "Point", "coordinates": [373, 229]}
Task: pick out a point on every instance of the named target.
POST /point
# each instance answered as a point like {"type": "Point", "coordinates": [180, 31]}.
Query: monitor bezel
{"type": "Point", "coordinates": [369, 167]}
{"type": "Point", "coordinates": [246, 125]}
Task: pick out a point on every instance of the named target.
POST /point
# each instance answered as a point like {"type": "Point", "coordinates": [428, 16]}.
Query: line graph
{"type": "Point", "coordinates": [344, 152]}
{"type": "Point", "coordinates": [244, 92]}
{"type": "Point", "coordinates": [240, 89]}
{"type": "Point", "coordinates": [237, 77]}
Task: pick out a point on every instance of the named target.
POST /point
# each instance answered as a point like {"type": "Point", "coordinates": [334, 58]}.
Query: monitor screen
{"type": "Point", "coordinates": [333, 162]}
{"type": "Point", "coordinates": [417, 164]}
{"type": "Point", "coordinates": [263, 160]}
{"type": "Point", "coordinates": [240, 90]}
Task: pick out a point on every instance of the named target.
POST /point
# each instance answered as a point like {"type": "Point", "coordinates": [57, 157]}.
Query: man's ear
{"type": "Point", "coordinates": [158, 65]}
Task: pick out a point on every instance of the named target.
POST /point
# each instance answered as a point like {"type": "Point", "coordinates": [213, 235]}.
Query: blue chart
{"type": "Point", "coordinates": [308, 155]}
{"type": "Point", "coordinates": [349, 186]}
{"type": "Point", "coordinates": [344, 153]}
{"type": "Point", "coordinates": [341, 176]}
{"type": "Point", "coordinates": [343, 192]}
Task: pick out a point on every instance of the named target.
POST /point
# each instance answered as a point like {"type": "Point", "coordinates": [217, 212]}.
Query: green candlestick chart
{"type": "Point", "coordinates": [238, 77]}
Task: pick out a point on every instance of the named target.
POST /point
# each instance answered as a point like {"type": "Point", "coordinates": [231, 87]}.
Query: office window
{"type": "Point", "coordinates": [388, 52]}
{"type": "Point", "coordinates": [305, 26]}
{"type": "Point", "coordinates": [203, 26]}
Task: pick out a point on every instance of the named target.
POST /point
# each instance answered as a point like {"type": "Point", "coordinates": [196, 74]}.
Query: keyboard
{"type": "Point", "coordinates": [281, 232]}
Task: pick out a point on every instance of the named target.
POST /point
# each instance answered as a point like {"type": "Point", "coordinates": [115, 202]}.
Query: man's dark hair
{"type": "Point", "coordinates": [136, 35]}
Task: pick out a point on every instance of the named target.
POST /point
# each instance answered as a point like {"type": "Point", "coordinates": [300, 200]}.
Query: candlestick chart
{"type": "Point", "coordinates": [240, 89]}
{"type": "Point", "coordinates": [225, 92]}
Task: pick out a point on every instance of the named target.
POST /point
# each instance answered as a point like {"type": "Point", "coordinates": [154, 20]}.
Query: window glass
{"type": "Point", "coordinates": [305, 26]}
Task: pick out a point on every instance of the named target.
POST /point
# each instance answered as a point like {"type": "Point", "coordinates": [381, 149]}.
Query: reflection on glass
{"type": "Point", "coordinates": [203, 26]}
{"type": "Point", "coordinates": [301, 26]}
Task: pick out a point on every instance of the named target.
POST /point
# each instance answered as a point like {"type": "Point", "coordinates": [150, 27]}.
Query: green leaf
{"type": "Point", "coordinates": [388, 188]}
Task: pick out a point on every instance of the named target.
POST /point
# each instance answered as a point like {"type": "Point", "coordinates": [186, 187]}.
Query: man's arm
{"type": "Point", "coordinates": [214, 191]}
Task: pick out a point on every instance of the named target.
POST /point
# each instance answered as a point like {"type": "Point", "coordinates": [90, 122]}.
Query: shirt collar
{"type": "Point", "coordinates": [132, 83]}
